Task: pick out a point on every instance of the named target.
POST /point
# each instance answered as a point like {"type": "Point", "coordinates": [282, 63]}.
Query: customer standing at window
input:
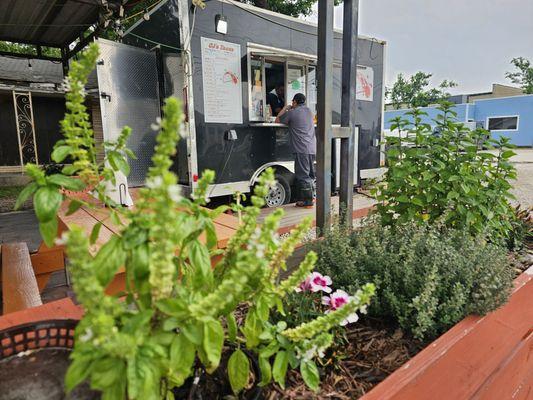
{"type": "Point", "coordinates": [299, 119]}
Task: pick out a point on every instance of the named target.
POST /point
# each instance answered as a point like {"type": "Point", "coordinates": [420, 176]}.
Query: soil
{"type": "Point", "coordinates": [216, 386]}
{"type": "Point", "coordinates": [39, 375]}
{"type": "Point", "coordinates": [373, 352]}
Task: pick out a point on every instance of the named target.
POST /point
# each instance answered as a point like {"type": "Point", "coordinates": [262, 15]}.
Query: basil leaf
{"type": "Point", "coordinates": [238, 370]}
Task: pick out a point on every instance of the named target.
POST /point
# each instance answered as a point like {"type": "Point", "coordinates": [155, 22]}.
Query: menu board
{"type": "Point", "coordinates": [221, 73]}
{"type": "Point", "coordinates": [365, 83]}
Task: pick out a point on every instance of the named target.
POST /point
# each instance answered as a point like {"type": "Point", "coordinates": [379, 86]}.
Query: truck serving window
{"type": "Point", "coordinates": [275, 77]}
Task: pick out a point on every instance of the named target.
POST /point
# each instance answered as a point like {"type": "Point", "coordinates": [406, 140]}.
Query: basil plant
{"type": "Point", "coordinates": [186, 302]}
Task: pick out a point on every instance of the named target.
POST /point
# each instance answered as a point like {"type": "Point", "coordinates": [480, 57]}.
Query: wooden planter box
{"type": "Point", "coordinates": [488, 357]}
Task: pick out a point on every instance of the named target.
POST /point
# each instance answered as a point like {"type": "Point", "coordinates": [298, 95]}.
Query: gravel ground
{"type": "Point", "coordinates": [523, 187]}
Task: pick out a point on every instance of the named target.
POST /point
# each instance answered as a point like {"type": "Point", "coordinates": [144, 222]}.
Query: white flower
{"type": "Point", "coordinates": [337, 300]}
{"type": "Point", "coordinates": [62, 240]}
{"type": "Point", "coordinates": [154, 183]}
{"type": "Point", "coordinates": [87, 335]}
{"type": "Point", "coordinates": [174, 192]}
{"type": "Point", "coordinates": [315, 282]}
{"type": "Point", "coordinates": [156, 125]}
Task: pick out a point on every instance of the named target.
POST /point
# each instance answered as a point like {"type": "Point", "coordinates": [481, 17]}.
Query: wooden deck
{"type": "Point", "coordinates": [88, 217]}
{"type": "Point", "coordinates": [294, 215]}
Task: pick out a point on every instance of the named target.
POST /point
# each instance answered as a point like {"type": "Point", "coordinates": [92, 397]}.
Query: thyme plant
{"type": "Point", "coordinates": [178, 310]}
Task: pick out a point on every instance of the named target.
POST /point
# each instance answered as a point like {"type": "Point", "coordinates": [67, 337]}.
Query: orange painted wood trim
{"type": "Point", "coordinates": [42, 281]}
{"type": "Point", "coordinates": [48, 261]}
{"type": "Point", "coordinates": [59, 309]}
{"type": "Point", "coordinates": [470, 359]}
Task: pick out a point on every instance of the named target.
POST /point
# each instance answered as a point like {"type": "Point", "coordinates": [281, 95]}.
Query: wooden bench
{"type": "Point", "coordinates": [19, 284]}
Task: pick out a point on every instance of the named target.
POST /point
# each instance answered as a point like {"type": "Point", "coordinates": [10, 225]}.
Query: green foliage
{"type": "Point", "coordinates": [287, 7]}
{"type": "Point", "coordinates": [427, 277]}
{"type": "Point", "coordinates": [523, 74]}
{"type": "Point", "coordinates": [414, 91]}
{"type": "Point", "coordinates": [177, 312]}
{"type": "Point", "coordinates": [447, 176]}
{"type": "Point", "coordinates": [29, 49]}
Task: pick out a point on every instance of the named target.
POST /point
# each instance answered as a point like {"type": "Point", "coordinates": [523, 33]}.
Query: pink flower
{"type": "Point", "coordinates": [337, 300]}
{"type": "Point", "coordinates": [315, 282]}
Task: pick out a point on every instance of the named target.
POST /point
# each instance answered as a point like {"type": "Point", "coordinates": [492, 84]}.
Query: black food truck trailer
{"type": "Point", "coordinates": [223, 61]}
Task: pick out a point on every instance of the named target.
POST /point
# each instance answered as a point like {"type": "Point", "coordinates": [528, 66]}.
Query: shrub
{"type": "Point", "coordinates": [427, 277]}
{"type": "Point", "coordinates": [447, 176]}
{"type": "Point", "coordinates": [177, 312]}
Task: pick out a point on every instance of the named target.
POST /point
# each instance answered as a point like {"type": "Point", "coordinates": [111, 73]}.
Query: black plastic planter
{"type": "Point", "coordinates": [34, 359]}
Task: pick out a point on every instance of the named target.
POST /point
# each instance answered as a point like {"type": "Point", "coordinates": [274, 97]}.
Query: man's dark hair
{"type": "Point", "coordinates": [299, 98]}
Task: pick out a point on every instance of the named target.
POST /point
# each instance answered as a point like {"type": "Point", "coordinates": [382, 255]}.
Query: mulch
{"type": "Point", "coordinates": [372, 353]}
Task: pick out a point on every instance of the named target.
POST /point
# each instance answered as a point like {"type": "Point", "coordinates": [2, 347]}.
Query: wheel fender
{"type": "Point", "coordinates": [279, 165]}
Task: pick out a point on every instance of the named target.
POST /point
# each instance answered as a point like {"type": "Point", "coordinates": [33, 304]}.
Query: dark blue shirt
{"type": "Point", "coordinates": [275, 103]}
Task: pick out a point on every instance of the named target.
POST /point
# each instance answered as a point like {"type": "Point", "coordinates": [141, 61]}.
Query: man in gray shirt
{"type": "Point", "coordinates": [299, 119]}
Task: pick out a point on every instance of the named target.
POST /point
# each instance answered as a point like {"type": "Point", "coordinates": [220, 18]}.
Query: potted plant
{"type": "Point", "coordinates": [179, 318]}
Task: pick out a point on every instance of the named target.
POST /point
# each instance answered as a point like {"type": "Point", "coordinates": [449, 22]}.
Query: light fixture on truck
{"type": "Point", "coordinates": [221, 24]}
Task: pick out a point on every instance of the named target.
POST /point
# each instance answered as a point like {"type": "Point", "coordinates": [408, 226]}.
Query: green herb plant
{"type": "Point", "coordinates": [178, 310]}
{"type": "Point", "coordinates": [427, 276]}
{"type": "Point", "coordinates": [447, 175]}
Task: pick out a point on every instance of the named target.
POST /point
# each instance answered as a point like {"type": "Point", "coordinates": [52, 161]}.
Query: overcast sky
{"type": "Point", "coordinates": [468, 41]}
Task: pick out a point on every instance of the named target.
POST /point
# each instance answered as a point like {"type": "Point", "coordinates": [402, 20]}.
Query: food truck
{"type": "Point", "coordinates": [224, 61]}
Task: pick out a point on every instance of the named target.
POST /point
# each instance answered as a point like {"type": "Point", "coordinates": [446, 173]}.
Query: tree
{"type": "Point", "coordinates": [414, 91]}
{"type": "Point", "coordinates": [524, 75]}
{"type": "Point", "coordinates": [20, 48]}
{"type": "Point", "coordinates": [288, 7]}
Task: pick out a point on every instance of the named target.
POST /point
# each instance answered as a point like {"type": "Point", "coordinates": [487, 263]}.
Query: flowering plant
{"type": "Point", "coordinates": [178, 310]}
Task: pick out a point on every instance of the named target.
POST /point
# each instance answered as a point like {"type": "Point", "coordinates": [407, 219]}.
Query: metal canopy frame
{"type": "Point", "coordinates": [54, 24]}
{"type": "Point", "coordinates": [346, 132]}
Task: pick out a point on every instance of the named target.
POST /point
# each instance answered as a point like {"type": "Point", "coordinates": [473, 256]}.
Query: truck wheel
{"type": "Point", "coordinates": [280, 194]}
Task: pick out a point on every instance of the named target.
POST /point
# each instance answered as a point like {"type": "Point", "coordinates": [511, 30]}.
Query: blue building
{"type": "Point", "coordinates": [503, 116]}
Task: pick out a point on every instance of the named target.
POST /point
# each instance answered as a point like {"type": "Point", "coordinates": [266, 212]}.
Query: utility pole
{"type": "Point", "coordinates": [348, 108]}
{"type": "Point", "coordinates": [324, 131]}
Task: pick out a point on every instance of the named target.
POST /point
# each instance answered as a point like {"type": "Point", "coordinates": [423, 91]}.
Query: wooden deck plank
{"type": "Point", "coordinates": [294, 215]}
{"type": "Point", "coordinates": [86, 221]}
{"type": "Point", "coordinates": [227, 220]}
{"type": "Point", "coordinates": [19, 285]}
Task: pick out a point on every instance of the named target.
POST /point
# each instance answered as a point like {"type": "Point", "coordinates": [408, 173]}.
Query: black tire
{"type": "Point", "coordinates": [279, 195]}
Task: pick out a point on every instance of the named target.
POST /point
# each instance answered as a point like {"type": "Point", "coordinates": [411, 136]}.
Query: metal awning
{"type": "Point", "coordinates": [52, 23]}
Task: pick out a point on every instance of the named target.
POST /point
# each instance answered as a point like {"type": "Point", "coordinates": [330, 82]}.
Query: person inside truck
{"type": "Point", "coordinates": [276, 100]}
{"type": "Point", "coordinates": [299, 118]}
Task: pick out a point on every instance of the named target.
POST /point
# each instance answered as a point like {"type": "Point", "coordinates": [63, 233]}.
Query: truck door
{"type": "Point", "coordinates": [129, 96]}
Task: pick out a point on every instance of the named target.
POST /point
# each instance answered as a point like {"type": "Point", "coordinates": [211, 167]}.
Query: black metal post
{"type": "Point", "coordinates": [348, 108]}
{"type": "Point", "coordinates": [325, 88]}
{"type": "Point", "coordinates": [64, 61]}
